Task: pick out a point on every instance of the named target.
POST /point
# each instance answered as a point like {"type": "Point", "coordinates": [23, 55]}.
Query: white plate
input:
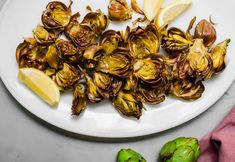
{"type": "Point", "coordinates": [18, 18]}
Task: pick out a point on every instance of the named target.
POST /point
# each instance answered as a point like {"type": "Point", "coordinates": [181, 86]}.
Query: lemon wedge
{"type": "Point", "coordinates": [41, 84]}
{"type": "Point", "coordinates": [172, 11]}
{"type": "Point", "coordinates": [151, 8]}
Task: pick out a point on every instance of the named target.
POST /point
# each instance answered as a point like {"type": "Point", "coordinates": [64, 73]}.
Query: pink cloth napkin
{"type": "Point", "coordinates": [219, 145]}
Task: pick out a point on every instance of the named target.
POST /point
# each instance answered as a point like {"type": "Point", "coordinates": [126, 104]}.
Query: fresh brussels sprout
{"type": "Point", "coordinates": [128, 104]}
{"type": "Point", "coordinates": [79, 100]}
{"type": "Point", "coordinates": [119, 10]}
{"type": "Point", "coordinates": [118, 63]}
{"type": "Point", "coordinates": [143, 42]}
{"type": "Point", "coordinates": [129, 155]}
{"type": "Point", "coordinates": [218, 54]}
{"type": "Point", "coordinates": [181, 150]}
{"type": "Point", "coordinates": [205, 30]}
{"type": "Point", "coordinates": [56, 16]}
{"type": "Point", "coordinates": [110, 41]}
{"type": "Point", "coordinates": [97, 21]}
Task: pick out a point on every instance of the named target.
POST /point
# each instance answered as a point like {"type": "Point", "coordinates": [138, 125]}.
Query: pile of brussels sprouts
{"type": "Point", "coordinates": [124, 67]}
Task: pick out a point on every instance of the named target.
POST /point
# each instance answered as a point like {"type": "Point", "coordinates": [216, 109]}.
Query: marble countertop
{"type": "Point", "coordinates": [25, 138]}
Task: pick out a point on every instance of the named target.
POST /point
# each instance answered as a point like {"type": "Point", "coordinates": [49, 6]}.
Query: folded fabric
{"type": "Point", "coordinates": [219, 145]}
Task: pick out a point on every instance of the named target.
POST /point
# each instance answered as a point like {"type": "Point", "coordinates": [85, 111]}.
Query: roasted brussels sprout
{"type": "Point", "coordinates": [143, 42]}
{"type": "Point", "coordinates": [128, 104]}
{"type": "Point", "coordinates": [31, 55]}
{"type": "Point", "coordinates": [92, 91]}
{"type": "Point", "coordinates": [150, 95]}
{"type": "Point", "coordinates": [197, 63]}
{"type": "Point", "coordinates": [56, 16]}
{"type": "Point", "coordinates": [53, 57]}
{"type": "Point", "coordinates": [187, 89]}
{"type": "Point", "coordinates": [181, 149]}
{"type": "Point", "coordinates": [131, 83]}
{"type": "Point", "coordinates": [91, 55]}
{"type": "Point", "coordinates": [68, 51]}
{"type": "Point", "coordinates": [129, 155]}
{"type": "Point", "coordinates": [79, 100]}
{"type": "Point", "coordinates": [218, 54]}
{"type": "Point", "coordinates": [43, 36]}
{"type": "Point", "coordinates": [119, 10]}
{"type": "Point", "coordinates": [110, 40]}
{"type": "Point", "coordinates": [205, 30]}
{"type": "Point", "coordinates": [149, 70]}
{"type": "Point", "coordinates": [175, 41]}
{"type": "Point", "coordinates": [118, 63]}
{"type": "Point", "coordinates": [97, 21]}
{"type": "Point", "coordinates": [67, 76]}
{"type": "Point", "coordinates": [81, 35]}
{"type": "Point", "coordinates": [107, 85]}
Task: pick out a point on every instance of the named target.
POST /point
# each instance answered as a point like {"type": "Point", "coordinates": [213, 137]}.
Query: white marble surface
{"type": "Point", "coordinates": [24, 138]}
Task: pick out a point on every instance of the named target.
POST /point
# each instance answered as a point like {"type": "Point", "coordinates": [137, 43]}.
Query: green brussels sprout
{"type": "Point", "coordinates": [97, 21]}
{"type": "Point", "coordinates": [118, 63]}
{"type": "Point", "coordinates": [119, 10]}
{"type": "Point", "coordinates": [129, 155]}
{"type": "Point", "coordinates": [181, 150]}
{"type": "Point", "coordinates": [218, 54]}
{"type": "Point", "coordinates": [110, 41]}
{"type": "Point", "coordinates": [79, 100]}
{"type": "Point", "coordinates": [67, 76]}
{"type": "Point", "coordinates": [81, 35]}
{"type": "Point", "coordinates": [128, 104]}
{"type": "Point", "coordinates": [57, 15]}
{"type": "Point", "coordinates": [205, 30]}
{"type": "Point", "coordinates": [143, 42]}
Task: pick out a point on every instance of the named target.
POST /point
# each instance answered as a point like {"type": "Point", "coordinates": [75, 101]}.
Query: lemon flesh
{"type": "Point", "coordinates": [41, 84]}
{"type": "Point", "coordinates": [151, 8]}
{"type": "Point", "coordinates": [172, 11]}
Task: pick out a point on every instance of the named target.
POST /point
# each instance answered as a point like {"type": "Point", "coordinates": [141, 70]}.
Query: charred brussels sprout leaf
{"type": "Point", "coordinates": [205, 30]}
{"type": "Point", "coordinates": [79, 100]}
{"type": "Point", "coordinates": [119, 10]}
{"type": "Point", "coordinates": [56, 16]}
